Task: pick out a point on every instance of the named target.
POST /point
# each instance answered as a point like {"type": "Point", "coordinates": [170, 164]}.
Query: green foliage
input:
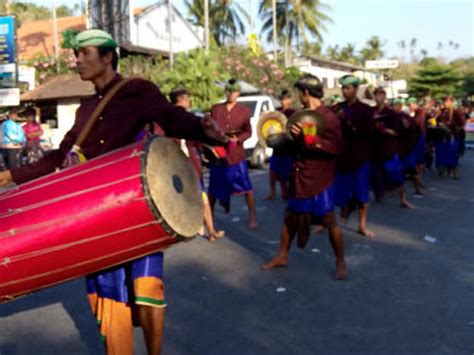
{"type": "Point", "coordinates": [199, 73]}
{"type": "Point", "coordinates": [373, 49]}
{"type": "Point", "coordinates": [434, 79]}
{"type": "Point", "coordinates": [28, 11]}
{"type": "Point", "coordinates": [226, 18]}
{"type": "Point", "coordinates": [194, 71]}
{"type": "Point", "coordinates": [270, 77]}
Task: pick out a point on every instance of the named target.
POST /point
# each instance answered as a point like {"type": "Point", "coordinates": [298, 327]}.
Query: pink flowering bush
{"type": "Point", "coordinates": [47, 67]}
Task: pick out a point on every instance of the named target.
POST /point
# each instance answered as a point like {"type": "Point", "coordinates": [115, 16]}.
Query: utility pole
{"type": "Point", "coordinates": [274, 15]}
{"type": "Point", "coordinates": [55, 35]}
{"type": "Point", "coordinates": [170, 25]}
{"type": "Point", "coordinates": [250, 17]}
{"type": "Point", "coordinates": [131, 24]}
{"type": "Point", "coordinates": [206, 25]}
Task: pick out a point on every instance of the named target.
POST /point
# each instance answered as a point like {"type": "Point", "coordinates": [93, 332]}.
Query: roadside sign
{"type": "Point", "coordinates": [8, 62]}
{"type": "Point", "coordinates": [381, 64]}
{"type": "Point", "coordinates": [10, 97]}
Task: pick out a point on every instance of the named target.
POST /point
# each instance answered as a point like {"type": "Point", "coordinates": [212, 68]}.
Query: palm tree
{"type": "Point", "coordinates": [226, 18]}
{"type": "Point", "coordinates": [296, 20]}
{"type": "Point", "coordinates": [373, 49]}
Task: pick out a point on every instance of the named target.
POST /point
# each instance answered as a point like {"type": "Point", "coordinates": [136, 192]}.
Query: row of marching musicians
{"type": "Point", "coordinates": [333, 156]}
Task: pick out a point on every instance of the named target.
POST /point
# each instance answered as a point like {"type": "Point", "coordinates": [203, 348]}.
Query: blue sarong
{"type": "Point", "coordinates": [446, 153]}
{"type": "Point", "coordinates": [117, 283]}
{"type": "Point", "coordinates": [420, 149]}
{"type": "Point", "coordinates": [281, 166]}
{"type": "Point", "coordinates": [319, 205]}
{"type": "Point", "coordinates": [228, 180]}
{"type": "Point", "coordinates": [394, 171]}
{"type": "Point", "coordinates": [353, 186]}
{"type": "Point", "coordinates": [409, 161]}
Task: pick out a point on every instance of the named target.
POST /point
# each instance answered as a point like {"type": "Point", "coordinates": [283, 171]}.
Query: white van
{"type": "Point", "coordinates": [257, 155]}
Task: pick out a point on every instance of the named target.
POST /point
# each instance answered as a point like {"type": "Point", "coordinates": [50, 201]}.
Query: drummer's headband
{"type": "Point", "coordinates": [349, 80]}
{"type": "Point", "coordinates": [90, 38]}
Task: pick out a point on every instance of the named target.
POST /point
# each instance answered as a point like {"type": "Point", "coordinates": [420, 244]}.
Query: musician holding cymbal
{"type": "Point", "coordinates": [134, 287]}
{"type": "Point", "coordinates": [229, 176]}
{"type": "Point", "coordinates": [281, 162]}
{"type": "Point", "coordinates": [317, 140]}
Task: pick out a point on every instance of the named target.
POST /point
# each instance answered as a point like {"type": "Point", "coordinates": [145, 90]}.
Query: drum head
{"type": "Point", "coordinates": [270, 125]}
{"type": "Point", "coordinates": [174, 187]}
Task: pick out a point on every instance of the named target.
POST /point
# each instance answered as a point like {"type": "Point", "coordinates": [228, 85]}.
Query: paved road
{"type": "Point", "coordinates": [404, 295]}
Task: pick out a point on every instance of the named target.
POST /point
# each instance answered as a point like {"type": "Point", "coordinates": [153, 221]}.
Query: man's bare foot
{"type": "Point", "coordinates": [278, 261]}
{"type": "Point", "coordinates": [406, 204]}
{"type": "Point", "coordinates": [216, 235]}
{"type": "Point", "coordinates": [366, 233]}
{"type": "Point", "coordinates": [317, 229]}
{"type": "Point", "coordinates": [253, 224]}
{"type": "Point", "coordinates": [269, 197]}
{"type": "Point", "coordinates": [341, 272]}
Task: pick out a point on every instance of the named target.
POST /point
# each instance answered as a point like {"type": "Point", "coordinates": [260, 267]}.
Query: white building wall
{"type": "Point", "coordinates": [66, 112]}
{"type": "Point", "coordinates": [151, 31]}
{"type": "Point", "coordinates": [325, 74]}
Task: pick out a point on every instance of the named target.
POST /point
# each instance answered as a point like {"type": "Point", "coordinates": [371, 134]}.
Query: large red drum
{"type": "Point", "coordinates": [120, 206]}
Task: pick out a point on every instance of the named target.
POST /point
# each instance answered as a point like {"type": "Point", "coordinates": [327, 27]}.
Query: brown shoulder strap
{"type": "Point", "coordinates": [98, 110]}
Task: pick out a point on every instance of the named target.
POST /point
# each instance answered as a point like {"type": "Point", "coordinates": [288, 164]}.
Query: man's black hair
{"type": "Point", "coordinates": [285, 94]}
{"type": "Point", "coordinates": [176, 93]}
{"type": "Point", "coordinates": [312, 84]}
{"type": "Point", "coordinates": [115, 58]}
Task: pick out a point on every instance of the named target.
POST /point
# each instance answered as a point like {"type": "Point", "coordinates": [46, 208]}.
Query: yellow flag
{"type": "Point", "coordinates": [254, 45]}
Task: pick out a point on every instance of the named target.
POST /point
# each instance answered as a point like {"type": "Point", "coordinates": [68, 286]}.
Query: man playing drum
{"type": "Point", "coordinates": [135, 287]}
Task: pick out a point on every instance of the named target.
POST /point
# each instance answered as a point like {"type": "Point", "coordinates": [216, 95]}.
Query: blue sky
{"type": "Point", "coordinates": [429, 21]}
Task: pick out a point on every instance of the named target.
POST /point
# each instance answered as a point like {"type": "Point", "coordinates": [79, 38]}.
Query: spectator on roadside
{"type": "Point", "coordinates": [33, 133]}
{"type": "Point", "coordinates": [13, 139]}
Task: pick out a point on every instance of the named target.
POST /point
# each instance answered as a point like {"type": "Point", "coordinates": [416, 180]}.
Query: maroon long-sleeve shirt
{"type": "Point", "coordinates": [358, 130]}
{"type": "Point", "coordinates": [139, 102]}
{"type": "Point", "coordinates": [314, 169]}
{"type": "Point", "coordinates": [235, 121]}
{"type": "Point", "coordinates": [409, 134]}
{"type": "Point", "coordinates": [386, 144]}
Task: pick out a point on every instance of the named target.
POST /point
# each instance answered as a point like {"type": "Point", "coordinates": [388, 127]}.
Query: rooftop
{"type": "Point", "coordinates": [65, 86]}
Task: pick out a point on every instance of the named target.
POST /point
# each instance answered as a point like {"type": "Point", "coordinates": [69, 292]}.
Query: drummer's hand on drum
{"type": "Point", "coordinates": [5, 178]}
{"type": "Point", "coordinates": [211, 130]}
{"type": "Point", "coordinates": [296, 130]}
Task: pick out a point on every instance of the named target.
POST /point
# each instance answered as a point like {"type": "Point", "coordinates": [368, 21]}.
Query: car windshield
{"type": "Point", "coordinates": [251, 105]}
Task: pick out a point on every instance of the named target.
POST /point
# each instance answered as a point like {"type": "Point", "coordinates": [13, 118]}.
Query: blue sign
{"type": "Point", "coordinates": [8, 62]}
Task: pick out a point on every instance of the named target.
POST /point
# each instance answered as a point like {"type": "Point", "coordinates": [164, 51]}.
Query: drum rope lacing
{"type": "Point", "coordinates": [67, 177]}
{"type": "Point", "coordinates": [56, 221]}
{"type": "Point", "coordinates": [8, 260]}
{"type": "Point", "coordinates": [37, 205]}
{"type": "Point", "coordinates": [29, 278]}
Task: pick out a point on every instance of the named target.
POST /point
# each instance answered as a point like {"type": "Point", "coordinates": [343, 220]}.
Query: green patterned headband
{"type": "Point", "coordinates": [351, 80]}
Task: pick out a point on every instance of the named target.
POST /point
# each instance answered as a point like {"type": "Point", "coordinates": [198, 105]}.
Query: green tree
{"type": "Point", "coordinates": [297, 21]}
{"type": "Point", "coordinates": [434, 79]}
{"type": "Point", "coordinates": [226, 18]}
{"type": "Point", "coordinates": [347, 54]}
{"type": "Point", "coordinates": [373, 49]}
{"type": "Point", "coordinates": [312, 49]}
{"type": "Point", "coordinates": [27, 11]}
